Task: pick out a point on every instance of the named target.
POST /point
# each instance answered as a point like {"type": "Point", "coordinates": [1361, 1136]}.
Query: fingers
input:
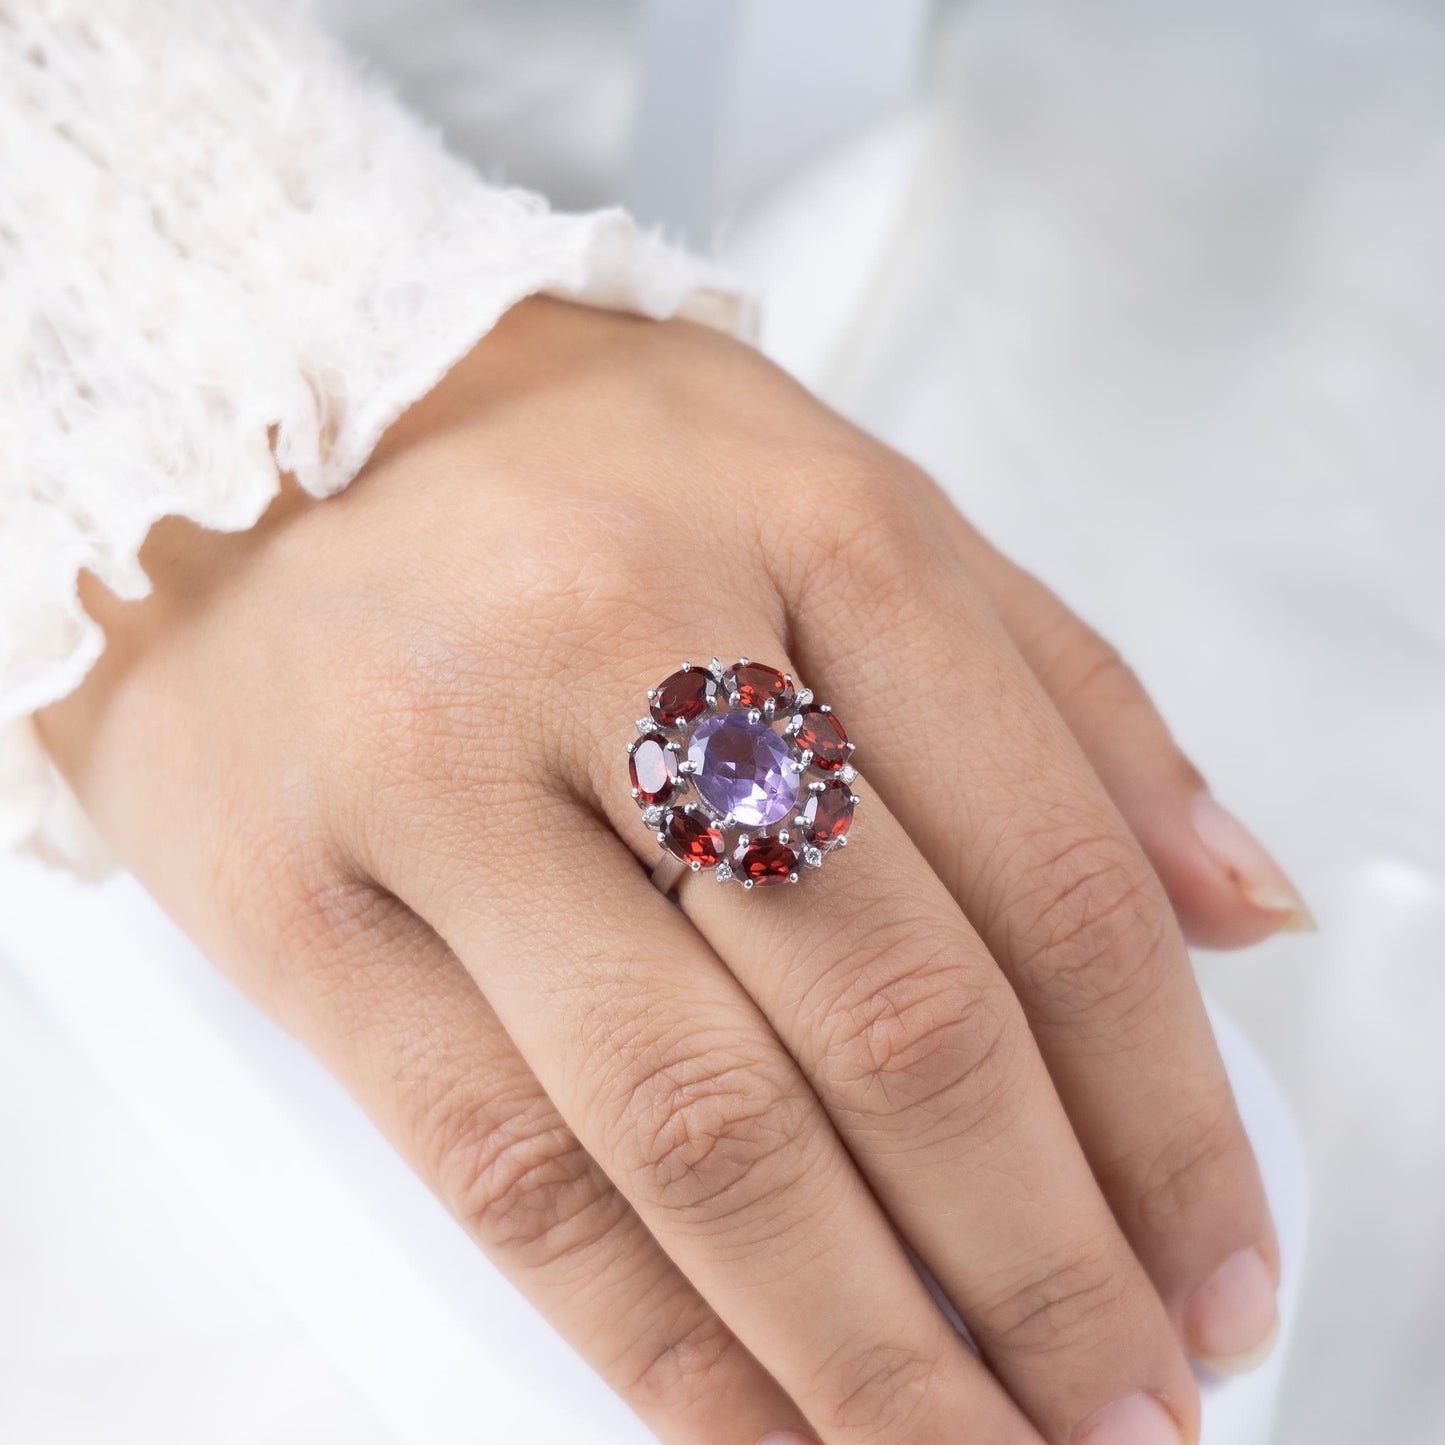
{"type": "Point", "coordinates": [387, 1007]}
{"type": "Point", "coordinates": [960, 741]}
{"type": "Point", "coordinates": [1226, 890]}
{"type": "Point", "coordinates": [918, 1049]}
{"type": "Point", "coordinates": [672, 1081]}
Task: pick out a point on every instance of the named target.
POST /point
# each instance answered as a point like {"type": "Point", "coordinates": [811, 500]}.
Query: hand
{"type": "Point", "coordinates": [370, 755]}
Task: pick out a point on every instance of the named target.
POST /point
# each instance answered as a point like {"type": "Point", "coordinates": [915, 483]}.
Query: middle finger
{"type": "Point", "coordinates": [917, 1047]}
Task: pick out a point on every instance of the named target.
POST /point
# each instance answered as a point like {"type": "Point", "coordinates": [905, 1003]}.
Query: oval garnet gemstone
{"type": "Point", "coordinates": [653, 768]}
{"type": "Point", "coordinates": [683, 696]}
{"type": "Point", "coordinates": [822, 734]}
{"type": "Point", "coordinates": [827, 815]}
{"type": "Point", "coordinates": [692, 838]}
{"type": "Point", "coordinates": [764, 860]}
{"type": "Point", "coordinates": [755, 683]}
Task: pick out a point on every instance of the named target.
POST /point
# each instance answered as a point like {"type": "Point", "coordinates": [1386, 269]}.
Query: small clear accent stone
{"type": "Point", "coordinates": [847, 772]}
{"type": "Point", "coordinates": [812, 856]}
{"type": "Point", "coordinates": [723, 871]}
{"type": "Point", "coordinates": [653, 816]}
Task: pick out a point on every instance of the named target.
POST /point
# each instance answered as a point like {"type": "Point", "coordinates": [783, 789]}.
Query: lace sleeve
{"type": "Point", "coordinates": [224, 251]}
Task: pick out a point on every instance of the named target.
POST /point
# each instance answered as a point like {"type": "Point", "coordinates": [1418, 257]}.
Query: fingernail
{"type": "Point", "coordinates": [1233, 1318]}
{"type": "Point", "coordinates": [1134, 1420]}
{"type": "Point", "coordinates": [1259, 879]}
{"type": "Point", "coordinates": [786, 1437]}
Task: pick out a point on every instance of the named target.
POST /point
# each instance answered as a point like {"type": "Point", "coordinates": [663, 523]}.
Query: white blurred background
{"type": "Point", "coordinates": [1156, 290]}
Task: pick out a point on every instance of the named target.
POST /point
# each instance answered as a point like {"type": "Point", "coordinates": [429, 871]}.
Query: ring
{"type": "Point", "coordinates": [738, 770]}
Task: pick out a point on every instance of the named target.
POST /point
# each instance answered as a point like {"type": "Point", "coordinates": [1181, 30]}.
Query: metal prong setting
{"type": "Point", "coordinates": [792, 833]}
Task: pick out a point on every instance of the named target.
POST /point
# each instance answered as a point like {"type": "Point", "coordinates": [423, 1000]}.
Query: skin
{"type": "Point", "coordinates": [369, 754]}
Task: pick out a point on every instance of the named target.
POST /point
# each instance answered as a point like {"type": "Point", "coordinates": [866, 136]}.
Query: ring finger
{"type": "Point", "coordinates": [919, 1051]}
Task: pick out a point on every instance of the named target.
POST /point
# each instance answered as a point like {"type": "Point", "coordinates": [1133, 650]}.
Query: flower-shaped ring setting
{"type": "Point", "coordinates": [739, 771]}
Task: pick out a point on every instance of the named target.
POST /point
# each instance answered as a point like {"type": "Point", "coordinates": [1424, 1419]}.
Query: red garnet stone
{"type": "Point", "coordinates": [756, 684]}
{"type": "Point", "coordinates": [683, 696]}
{"type": "Point", "coordinates": [765, 860]}
{"type": "Point", "coordinates": [827, 815]}
{"type": "Point", "coordinates": [822, 734]}
{"type": "Point", "coordinates": [653, 768]}
{"type": "Point", "coordinates": [692, 838]}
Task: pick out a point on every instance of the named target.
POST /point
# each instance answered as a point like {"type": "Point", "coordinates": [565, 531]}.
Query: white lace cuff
{"type": "Point", "coordinates": [224, 250]}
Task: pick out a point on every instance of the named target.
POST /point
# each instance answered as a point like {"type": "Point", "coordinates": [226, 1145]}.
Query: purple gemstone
{"type": "Point", "coordinates": [742, 769]}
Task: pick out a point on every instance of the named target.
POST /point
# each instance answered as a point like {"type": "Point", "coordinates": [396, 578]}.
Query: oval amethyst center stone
{"type": "Point", "coordinates": [741, 768]}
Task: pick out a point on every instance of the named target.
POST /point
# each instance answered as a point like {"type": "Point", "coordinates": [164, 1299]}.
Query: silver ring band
{"type": "Point", "coordinates": [668, 873]}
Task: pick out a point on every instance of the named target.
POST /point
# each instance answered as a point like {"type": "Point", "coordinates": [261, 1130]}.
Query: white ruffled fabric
{"type": "Point", "coordinates": [224, 251]}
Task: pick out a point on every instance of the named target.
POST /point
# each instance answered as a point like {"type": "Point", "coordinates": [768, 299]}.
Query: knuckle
{"type": "Point", "coordinates": [1101, 677]}
{"type": "Point", "coordinates": [412, 712]}
{"type": "Point", "coordinates": [521, 1184]}
{"type": "Point", "coordinates": [1082, 665]}
{"type": "Point", "coordinates": [299, 913]}
{"type": "Point", "coordinates": [328, 936]}
{"type": "Point", "coordinates": [1089, 679]}
{"type": "Point", "coordinates": [331, 919]}
{"type": "Point", "coordinates": [865, 491]}
{"type": "Point", "coordinates": [558, 599]}
{"type": "Point", "coordinates": [709, 1134]}
{"type": "Point", "coordinates": [876, 1391]}
{"type": "Point", "coordinates": [573, 588]}
{"type": "Point", "coordinates": [1073, 1299]}
{"type": "Point", "coordinates": [1096, 929]}
{"type": "Point", "coordinates": [862, 515]}
{"type": "Point", "coordinates": [556, 557]}
{"type": "Point", "coordinates": [686, 1370]}
{"type": "Point", "coordinates": [918, 1030]}
{"type": "Point", "coordinates": [1205, 1163]}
